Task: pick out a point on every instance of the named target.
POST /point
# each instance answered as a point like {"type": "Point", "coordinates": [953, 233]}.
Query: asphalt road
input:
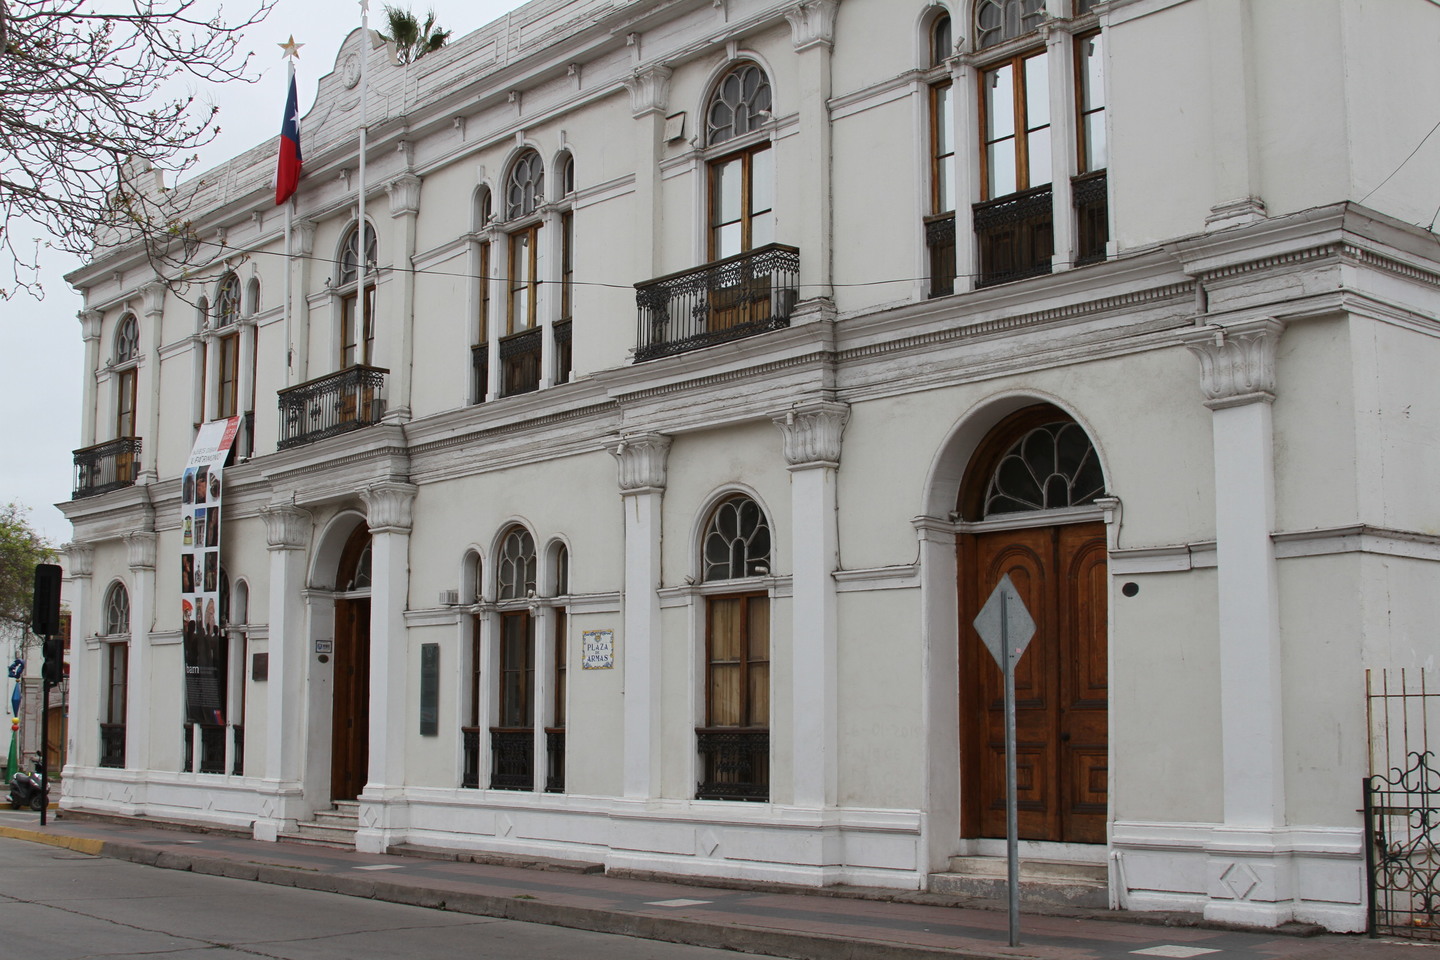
{"type": "Point", "coordinates": [56, 904]}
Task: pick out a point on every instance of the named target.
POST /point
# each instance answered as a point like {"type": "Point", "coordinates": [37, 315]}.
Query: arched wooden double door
{"type": "Point", "coordinates": [350, 708]}
{"type": "Point", "coordinates": [1061, 682]}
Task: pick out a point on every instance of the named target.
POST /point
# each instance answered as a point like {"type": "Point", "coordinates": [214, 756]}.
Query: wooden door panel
{"type": "Point", "coordinates": [350, 712]}
{"type": "Point", "coordinates": [1061, 685]}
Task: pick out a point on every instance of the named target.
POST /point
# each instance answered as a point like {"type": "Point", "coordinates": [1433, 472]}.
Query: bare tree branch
{"type": "Point", "coordinates": [90, 123]}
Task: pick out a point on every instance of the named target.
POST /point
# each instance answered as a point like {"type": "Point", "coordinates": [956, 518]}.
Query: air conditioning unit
{"type": "Point", "coordinates": [449, 598]}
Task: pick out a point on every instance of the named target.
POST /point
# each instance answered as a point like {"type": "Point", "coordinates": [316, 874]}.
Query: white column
{"type": "Point", "coordinates": [404, 209]}
{"type": "Point", "coordinates": [812, 435]}
{"type": "Point", "coordinates": [940, 613]}
{"type": "Point", "coordinates": [1060, 52]}
{"type": "Point", "coordinates": [1234, 143]}
{"type": "Point", "coordinates": [287, 529]}
{"type": "Point", "coordinates": [964, 82]}
{"type": "Point", "coordinates": [548, 307]}
{"type": "Point", "coordinates": [245, 401]}
{"type": "Point", "coordinates": [302, 236]}
{"type": "Point", "coordinates": [139, 695]}
{"type": "Point", "coordinates": [649, 102]}
{"type": "Point", "coordinates": [642, 461]}
{"type": "Point", "coordinates": [542, 617]}
{"type": "Point", "coordinates": [388, 506]}
{"type": "Point", "coordinates": [1249, 870]}
{"type": "Point", "coordinates": [812, 32]}
{"type": "Point", "coordinates": [90, 323]}
{"type": "Point", "coordinates": [86, 696]}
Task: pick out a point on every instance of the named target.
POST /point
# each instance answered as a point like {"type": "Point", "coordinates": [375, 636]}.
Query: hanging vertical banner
{"type": "Point", "coordinates": [200, 491]}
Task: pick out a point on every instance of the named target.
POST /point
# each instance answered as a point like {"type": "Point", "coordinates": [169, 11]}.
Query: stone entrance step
{"type": "Point", "coordinates": [1056, 882]}
{"type": "Point", "coordinates": [331, 828]}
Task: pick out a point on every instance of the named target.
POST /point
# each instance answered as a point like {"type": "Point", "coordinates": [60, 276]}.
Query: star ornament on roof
{"type": "Point", "coordinates": [291, 48]}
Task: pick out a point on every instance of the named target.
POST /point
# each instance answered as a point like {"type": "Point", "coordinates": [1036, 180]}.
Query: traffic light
{"type": "Point", "coordinates": [53, 667]}
{"type": "Point", "coordinates": [45, 608]}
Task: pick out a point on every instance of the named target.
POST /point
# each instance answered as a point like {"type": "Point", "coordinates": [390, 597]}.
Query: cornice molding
{"type": "Point", "coordinates": [287, 527]}
{"type": "Point", "coordinates": [643, 460]}
{"type": "Point", "coordinates": [812, 433]}
{"type": "Point", "coordinates": [389, 506]}
{"type": "Point", "coordinates": [1237, 361]}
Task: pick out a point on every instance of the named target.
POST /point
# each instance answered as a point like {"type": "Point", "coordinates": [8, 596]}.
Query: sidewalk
{"type": "Point", "coordinates": [782, 924]}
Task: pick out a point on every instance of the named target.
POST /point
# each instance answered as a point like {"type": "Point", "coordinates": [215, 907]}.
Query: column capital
{"type": "Point", "coordinates": [154, 298]}
{"type": "Point", "coordinates": [142, 550]}
{"type": "Point", "coordinates": [643, 461]}
{"type": "Point", "coordinates": [79, 559]}
{"type": "Point", "coordinates": [1237, 361]}
{"type": "Point", "coordinates": [649, 90]}
{"type": "Point", "coordinates": [302, 234]}
{"type": "Point", "coordinates": [388, 506]}
{"type": "Point", "coordinates": [287, 527]}
{"type": "Point", "coordinates": [404, 194]}
{"type": "Point", "coordinates": [812, 23]}
{"type": "Point", "coordinates": [90, 321]}
{"type": "Point", "coordinates": [812, 433]}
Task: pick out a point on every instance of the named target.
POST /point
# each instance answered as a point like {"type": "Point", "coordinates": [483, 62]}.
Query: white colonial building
{"type": "Point", "coordinates": [718, 357]}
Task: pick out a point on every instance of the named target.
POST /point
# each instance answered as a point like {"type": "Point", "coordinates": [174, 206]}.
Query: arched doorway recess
{"type": "Point", "coordinates": [1027, 509]}
{"type": "Point", "coordinates": [350, 709]}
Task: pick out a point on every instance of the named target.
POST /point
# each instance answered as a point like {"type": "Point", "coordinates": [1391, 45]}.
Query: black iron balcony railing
{"type": "Point", "coordinates": [520, 362]}
{"type": "Point", "coordinates": [238, 767]}
{"type": "Point", "coordinates": [470, 777]}
{"type": "Point", "coordinates": [740, 296]}
{"type": "Point", "coordinates": [555, 763]}
{"type": "Point", "coordinates": [940, 241]}
{"type": "Point", "coordinates": [331, 405]}
{"type": "Point", "coordinates": [112, 745]}
{"type": "Point", "coordinates": [106, 466]}
{"type": "Point", "coordinates": [563, 355]}
{"type": "Point", "coordinates": [512, 752]}
{"type": "Point", "coordinates": [1092, 217]}
{"type": "Point", "coordinates": [1015, 235]}
{"type": "Point", "coordinates": [480, 364]}
{"type": "Point", "coordinates": [735, 762]}
{"type": "Point", "coordinates": [245, 439]}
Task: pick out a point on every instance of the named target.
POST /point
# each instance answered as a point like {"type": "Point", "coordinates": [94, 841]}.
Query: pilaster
{"type": "Point", "coordinates": [642, 462]}
{"type": "Point", "coordinates": [1249, 865]}
{"type": "Point", "coordinates": [287, 533]}
{"type": "Point", "coordinates": [649, 100]}
{"type": "Point", "coordinates": [1234, 143]}
{"type": "Point", "coordinates": [90, 326]}
{"type": "Point", "coordinates": [81, 748]}
{"type": "Point", "coordinates": [153, 302]}
{"type": "Point", "coordinates": [302, 239]}
{"type": "Point", "coordinates": [389, 507]}
{"type": "Point", "coordinates": [812, 435]}
{"type": "Point", "coordinates": [140, 548]}
{"type": "Point", "coordinates": [404, 194]}
{"type": "Point", "coordinates": [812, 32]}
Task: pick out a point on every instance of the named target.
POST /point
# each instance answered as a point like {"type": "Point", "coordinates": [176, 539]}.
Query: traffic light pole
{"type": "Point", "coordinates": [44, 746]}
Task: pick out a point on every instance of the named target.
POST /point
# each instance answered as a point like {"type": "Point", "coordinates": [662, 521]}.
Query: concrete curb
{"type": "Point", "coordinates": [741, 938]}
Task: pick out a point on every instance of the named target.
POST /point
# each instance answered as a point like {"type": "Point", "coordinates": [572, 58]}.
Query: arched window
{"type": "Point", "coordinates": [483, 210]}
{"type": "Point", "coordinates": [516, 566]}
{"type": "Point", "coordinates": [525, 186]}
{"type": "Point", "coordinates": [1052, 466]}
{"type": "Point", "coordinates": [127, 339]}
{"type": "Point", "coordinates": [227, 301]}
{"type": "Point", "coordinates": [942, 43]}
{"type": "Point", "coordinates": [252, 297]}
{"type": "Point", "coordinates": [565, 174]}
{"type": "Point", "coordinates": [239, 610]}
{"type": "Point", "coordinates": [999, 20]}
{"type": "Point", "coordinates": [740, 104]}
{"type": "Point", "coordinates": [353, 570]}
{"type": "Point", "coordinates": [939, 222]}
{"type": "Point", "coordinates": [357, 344]}
{"type": "Point", "coordinates": [737, 542]}
{"type": "Point", "coordinates": [117, 610]}
{"type": "Point", "coordinates": [734, 743]}
{"type": "Point", "coordinates": [741, 213]}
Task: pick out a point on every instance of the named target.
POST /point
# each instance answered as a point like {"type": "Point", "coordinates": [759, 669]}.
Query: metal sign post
{"type": "Point", "coordinates": [1006, 627]}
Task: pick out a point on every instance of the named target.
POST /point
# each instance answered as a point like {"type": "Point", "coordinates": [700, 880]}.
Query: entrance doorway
{"type": "Point", "coordinates": [350, 718]}
{"type": "Point", "coordinates": [1037, 462]}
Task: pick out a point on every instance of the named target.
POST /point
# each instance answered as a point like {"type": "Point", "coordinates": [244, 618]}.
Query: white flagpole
{"type": "Point", "coordinates": [363, 236]}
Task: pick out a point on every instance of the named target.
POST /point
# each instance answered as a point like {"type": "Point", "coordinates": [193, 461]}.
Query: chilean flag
{"type": "Point", "coordinates": [287, 172]}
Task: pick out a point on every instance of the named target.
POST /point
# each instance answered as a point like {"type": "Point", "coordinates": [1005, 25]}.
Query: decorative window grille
{"type": "Point", "coordinates": [350, 254]}
{"type": "Point", "coordinates": [740, 104]}
{"type": "Point", "coordinates": [525, 187]}
{"type": "Point", "coordinates": [117, 611]}
{"type": "Point", "coordinates": [517, 564]}
{"type": "Point", "coordinates": [737, 542]}
{"type": "Point", "coordinates": [127, 339]}
{"type": "Point", "coordinates": [227, 301]}
{"type": "Point", "coordinates": [999, 20]}
{"type": "Point", "coordinates": [1051, 467]}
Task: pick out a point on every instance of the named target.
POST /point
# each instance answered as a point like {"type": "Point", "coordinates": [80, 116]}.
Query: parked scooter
{"type": "Point", "coordinates": [27, 789]}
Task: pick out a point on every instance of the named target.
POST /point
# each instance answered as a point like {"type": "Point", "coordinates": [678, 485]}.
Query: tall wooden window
{"type": "Point", "coordinates": [127, 351]}
{"type": "Point", "coordinates": [1014, 223]}
{"type": "Point", "coordinates": [940, 224]}
{"type": "Point", "coordinates": [512, 743]}
{"type": "Point", "coordinates": [357, 339]}
{"type": "Point", "coordinates": [1089, 189]}
{"type": "Point", "coordinates": [555, 732]}
{"type": "Point", "coordinates": [734, 743]}
{"type": "Point", "coordinates": [742, 184]}
{"type": "Point", "coordinates": [524, 192]}
{"type": "Point", "coordinates": [117, 668]}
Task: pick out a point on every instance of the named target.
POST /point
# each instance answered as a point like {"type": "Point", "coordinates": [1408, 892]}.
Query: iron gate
{"type": "Point", "coordinates": [1402, 807]}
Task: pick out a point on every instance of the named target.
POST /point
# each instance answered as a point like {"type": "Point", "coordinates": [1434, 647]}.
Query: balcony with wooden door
{"type": "Point", "coordinates": [331, 405]}
{"type": "Point", "coordinates": [106, 466]}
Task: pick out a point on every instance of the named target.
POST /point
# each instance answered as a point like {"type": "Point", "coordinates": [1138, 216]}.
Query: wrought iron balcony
{"type": "Point", "coordinates": [940, 241]}
{"type": "Point", "coordinates": [741, 296]}
{"type": "Point", "coordinates": [112, 745]}
{"type": "Point", "coordinates": [1092, 217]}
{"type": "Point", "coordinates": [513, 758]}
{"type": "Point", "coordinates": [480, 363]}
{"type": "Point", "coordinates": [563, 356]}
{"type": "Point", "coordinates": [555, 767]}
{"type": "Point", "coordinates": [470, 777]}
{"type": "Point", "coordinates": [331, 405]}
{"type": "Point", "coordinates": [238, 767]}
{"type": "Point", "coordinates": [1016, 236]}
{"type": "Point", "coordinates": [520, 362]}
{"type": "Point", "coordinates": [106, 466]}
{"type": "Point", "coordinates": [735, 762]}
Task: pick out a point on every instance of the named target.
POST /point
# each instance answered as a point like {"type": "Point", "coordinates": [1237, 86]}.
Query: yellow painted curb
{"type": "Point", "coordinates": [78, 844]}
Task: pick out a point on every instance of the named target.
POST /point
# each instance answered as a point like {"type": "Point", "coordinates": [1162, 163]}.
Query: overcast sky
{"type": "Point", "coordinates": [41, 354]}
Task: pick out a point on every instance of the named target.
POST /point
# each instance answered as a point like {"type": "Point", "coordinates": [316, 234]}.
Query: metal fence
{"type": "Point", "coordinates": [1402, 804]}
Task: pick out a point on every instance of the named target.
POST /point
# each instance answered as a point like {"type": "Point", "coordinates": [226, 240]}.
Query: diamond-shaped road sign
{"type": "Point", "coordinates": [1005, 607]}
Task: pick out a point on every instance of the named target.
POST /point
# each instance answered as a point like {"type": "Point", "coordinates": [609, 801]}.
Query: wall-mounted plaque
{"type": "Point", "coordinates": [597, 650]}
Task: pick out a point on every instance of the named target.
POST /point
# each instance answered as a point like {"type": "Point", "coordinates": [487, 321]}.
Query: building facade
{"type": "Point", "coordinates": [624, 486]}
